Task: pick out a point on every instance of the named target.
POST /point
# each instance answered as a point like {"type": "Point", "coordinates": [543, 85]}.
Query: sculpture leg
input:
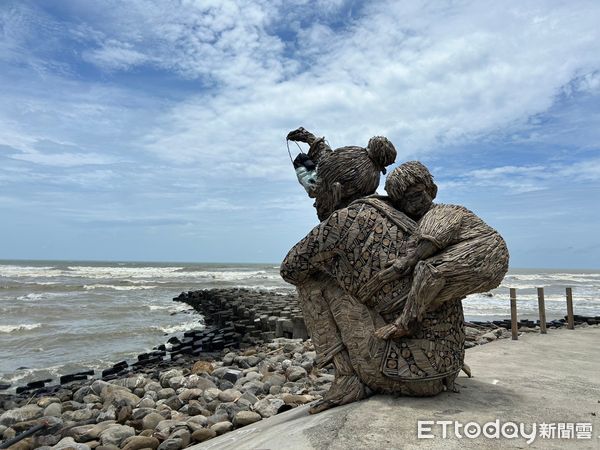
{"type": "Point", "coordinates": [466, 268]}
{"type": "Point", "coordinates": [427, 284]}
{"type": "Point", "coordinates": [330, 348]}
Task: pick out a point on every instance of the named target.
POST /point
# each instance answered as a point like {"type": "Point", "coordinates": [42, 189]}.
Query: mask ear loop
{"type": "Point", "coordinates": [287, 143]}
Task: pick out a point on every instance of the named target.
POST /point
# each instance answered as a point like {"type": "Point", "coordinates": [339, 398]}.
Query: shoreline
{"type": "Point", "coordinates": [257, 374]}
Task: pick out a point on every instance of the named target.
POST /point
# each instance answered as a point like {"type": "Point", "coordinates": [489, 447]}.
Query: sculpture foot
{"type": "Point", "coordinates": [391, 331]}
{"type": "Point", "coordinates": [466, 369]}
{"type": "Point", "coordinates": [345, 389]}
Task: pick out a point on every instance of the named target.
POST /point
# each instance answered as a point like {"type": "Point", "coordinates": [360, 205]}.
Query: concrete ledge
{"type": "Point", "coordinates": [539, 378]}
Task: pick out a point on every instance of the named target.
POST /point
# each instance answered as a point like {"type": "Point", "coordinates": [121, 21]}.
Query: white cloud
{"type": "Point", "coordinates": [522, 179]}
{"type": "Point", "coordinates": [424, 74]}
{"type": "Point", "coordinates": [115, 55]}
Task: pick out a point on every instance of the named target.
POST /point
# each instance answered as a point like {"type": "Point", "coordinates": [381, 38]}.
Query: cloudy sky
{"type": "Point", "coordinates": [154, 130]}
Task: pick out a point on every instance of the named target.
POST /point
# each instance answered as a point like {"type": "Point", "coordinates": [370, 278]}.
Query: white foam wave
{"type": "Point", "coordinates": [179, 327]}
{"type": "Point", "coordinates": [170, 308]}
{"type": "Point", "coordinates": [90, 287]}
{"type": "Point", "coordinates": [21, 327]}
{"type": "Point", "coordinates": [135, 273]}
{"type": "Point", "coordinates": [31, 297]}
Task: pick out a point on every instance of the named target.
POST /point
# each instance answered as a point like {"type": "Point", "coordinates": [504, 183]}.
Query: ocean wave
{"type": "Point", "coordinates": [170, 308]}
{"type": "Point", "coordinates": [90, 287]}
{"type": "Point", "coordinates": [170, 329]}
{"type": "Point", "coordinates": [21, 327]}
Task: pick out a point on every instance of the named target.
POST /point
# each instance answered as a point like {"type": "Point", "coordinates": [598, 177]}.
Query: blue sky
{"type": "Point", "coordinates": [154, 130]}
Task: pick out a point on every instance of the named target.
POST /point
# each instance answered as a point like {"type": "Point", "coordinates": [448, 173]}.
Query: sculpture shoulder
{"type": "Point", "coordinates": [470, 222]}
{"type": "Point", "coordinates": [384, 206]}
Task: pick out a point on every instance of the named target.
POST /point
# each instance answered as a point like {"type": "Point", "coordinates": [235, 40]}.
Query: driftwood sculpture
{"type": "Point", "coordinates": [385, 328]}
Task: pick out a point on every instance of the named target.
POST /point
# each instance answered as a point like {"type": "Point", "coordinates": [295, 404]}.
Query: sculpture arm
{"type": "Point", "coordinates": [313, 253]}
{"type": "Point", "coordinates": [440, 226]}
{"type": "Point", "coordinates": [318, 146]}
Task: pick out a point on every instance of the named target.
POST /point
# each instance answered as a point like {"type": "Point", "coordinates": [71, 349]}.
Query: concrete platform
{"type": "Point", "coordinates": [553, 378]}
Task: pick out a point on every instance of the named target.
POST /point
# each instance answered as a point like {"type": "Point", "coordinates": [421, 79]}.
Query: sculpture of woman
{"type": "Point", "coordinates": [359, 236]}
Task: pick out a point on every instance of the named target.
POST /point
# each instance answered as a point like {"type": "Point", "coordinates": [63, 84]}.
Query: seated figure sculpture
{"type": "Point", "coordinates": [455, 252]}
{"type": "Point", "coordinates": [361, 234]}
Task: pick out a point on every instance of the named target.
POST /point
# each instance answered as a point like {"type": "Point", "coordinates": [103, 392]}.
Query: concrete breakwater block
{"type": "Point", "coordinates": [248, 316]}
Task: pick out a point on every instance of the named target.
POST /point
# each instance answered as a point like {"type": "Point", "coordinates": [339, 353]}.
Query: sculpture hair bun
{"type": "Point", "coordinates": [406, 175]}
{"type": "Point", "coordinates": [381, 151]}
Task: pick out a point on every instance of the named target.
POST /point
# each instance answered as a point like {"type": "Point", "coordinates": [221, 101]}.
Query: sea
{"type": "Point", "coordinates": [58, 317]}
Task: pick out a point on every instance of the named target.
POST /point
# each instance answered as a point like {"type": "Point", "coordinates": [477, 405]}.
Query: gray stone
{"type": "Point", "coordinates": [140, 413]}
{"type": "Point", "coordinates": [203, 434]}
{"type": "Point", "coordinates": [110, 413]}
{"type": "Point", "coordinates": [228, 359]}
{"type": "Point", "coordinates": [133, 382]}
{"type": "Point", "coordinates": [295, 373]}
{"type": "Point", "coordinates": [249, 396]}
{"type": "Point", "coordinates": [153, 386]}
{"type": "Point", "coordinates": [91, 398]}
{"type": "Point", "coordinates": [45, 401]}
{"type": "Point", "coordinates": [174, 403]}
{"type": "Point", "coordinates": [119, 396]}
{"type": "Point", "coordinates": [254, 387]}
{"type": "Point", "coordinates": [244, 418]}
{"type": "Point", "coordinates": [176, 382]}
{"type": "Point", "coordinates": [171, 444]}
{"type": "Point", "coordinates": [80, 415]}
{"type": "Point", "coordinates": [69, 443]}
{"type": "Point", "coordinates": [194, 408]}
{"type": "Point", "coordinates": [95, 431]}
{"type": "Point", "coordinates": [490, 336]}
{"type": "Point", "coordinates": [80, 393]}
{"type": "Point", "coordinates": [229, 395]}
{"type": "Point", "coordinates": [216, 418]}
{"type": "Point", "coordinates": [53, 410]}
{"type": "Point", "coordinates": [225, 384]}
{"type": "Point", "coordinates": [268, 407]}
{"type": "Point", "coordinates": [228, 408]}
{"type": "Point", "coordinates": [46, 440]}
{"type": "Point", "coordinates": [189, 394]}
{"type": "Point", "coordinates": [211, 394]}
{"type": "Point", "coordinates": [222, 427]}
{"type": "Point", "coordinates": [182, 434]}
{"type": "Point", "coordinates": [232, 375]}
{"type": "Point", "coordinates": [167, 426]}
{"type": "Point", "coordinates": [116, 434]}
{"type": "Point", "coordinates": [9, 433]}
{"type": "Point", "coordinates": [166, 376]}
{"type": "Point", "coordinates": [165, 393]}
{"type": "Point", "coordinates": [198, 382]}
{"type": "Point", "coordinates": [151, 420]}
{"type": "Point", "coordinates": [81, 433]}
{"type": "Point", "coordinates": [146, 402]}
{"type": "Point", "coordinates": [275, 380]}
{"type": "Point", "coordinates": [140, 442]}
{"type": "Point", "coordinates": [197, 422]}
{"type": "Point", "coordinates": [23, 414]}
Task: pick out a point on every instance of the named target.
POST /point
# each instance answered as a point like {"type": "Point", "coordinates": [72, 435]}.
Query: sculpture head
{"type": "Point", "coordinates": [349, 173]}
{"type": "Point", "coordinates": [411, 189]}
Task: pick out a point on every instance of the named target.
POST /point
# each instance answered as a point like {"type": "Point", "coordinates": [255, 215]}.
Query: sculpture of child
{"type": "Point", "coordinates": [455, 253]}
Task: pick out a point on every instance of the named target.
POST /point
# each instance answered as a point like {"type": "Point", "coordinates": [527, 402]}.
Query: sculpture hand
{"type": "Point", "coordinates": [395, 269]}
{"type": "Point", "coordinates": [301, 135]}
{"type": "Point", "coordinates": [386, 331]}
{"type": "Point", "coordinates": [391, 331]}
{"type": "Point", "coordinates": [400, 267]}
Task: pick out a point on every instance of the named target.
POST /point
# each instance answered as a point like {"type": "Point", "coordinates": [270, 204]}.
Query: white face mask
{"type": "Point", "coordinates": [308, 179]}
{"type": "Point", "coordinates": [306, 171]}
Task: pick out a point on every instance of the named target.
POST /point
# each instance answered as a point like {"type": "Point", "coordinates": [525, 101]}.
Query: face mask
{"type": "Point", "coordinates": [306, 171]}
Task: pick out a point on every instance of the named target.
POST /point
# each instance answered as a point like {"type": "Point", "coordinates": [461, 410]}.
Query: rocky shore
{"type": "Point", "coordinates": [217, 380]}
